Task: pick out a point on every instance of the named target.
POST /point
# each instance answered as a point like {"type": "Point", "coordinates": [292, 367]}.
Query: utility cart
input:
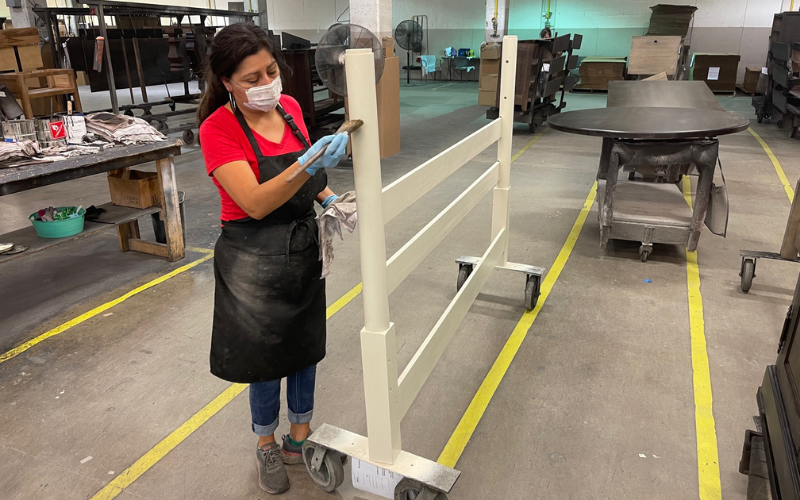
{"type": "Point", "coordinates": [657, 132]}
{"type": "Point", "coordinates": [543, 68]}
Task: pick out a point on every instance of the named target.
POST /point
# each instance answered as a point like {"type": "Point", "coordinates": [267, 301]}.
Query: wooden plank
{"type": "Point", "coordinates": [16, 179]}
{"type": "Point", "coordinates": [149, 247]}
{"type": "Point", "coordinates": [426, 357]}
{"type": "Point", "coordinates": [19, 37]}
{"type": "Point", "coordinates": [113, 216]}
{"type": "Point", "coordinates": [789, 248]}
{"type": "Point", "coordinates": [170, 207]}
{"type": "Point", "coordinates": [405, 260]}
{"type": "Point", "coordinates": [400, 194]}
{"type": "Point", "coordinates": [30, 57]}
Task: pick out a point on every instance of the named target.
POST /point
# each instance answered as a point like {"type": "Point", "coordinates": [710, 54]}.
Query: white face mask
{"type": "Point", "coordinates": [263, 98]}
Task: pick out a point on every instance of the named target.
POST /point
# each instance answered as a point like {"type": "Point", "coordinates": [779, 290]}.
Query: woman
{"type": "Point", "coordinates": [269, 303]}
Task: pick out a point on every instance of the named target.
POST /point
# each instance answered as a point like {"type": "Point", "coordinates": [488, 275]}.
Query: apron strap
{"type": "Point", "coordinates": [249, 133]}
{"type": "Point", "coordinates": [295, 129]}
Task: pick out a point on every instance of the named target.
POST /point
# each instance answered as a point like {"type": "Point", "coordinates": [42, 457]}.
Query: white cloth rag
{"type": "Point", "coordinates": [341, 212]}
{"type": "Point", "coordinates": [428, 63]}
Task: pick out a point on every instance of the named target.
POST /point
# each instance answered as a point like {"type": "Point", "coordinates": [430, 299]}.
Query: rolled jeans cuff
{"type": "Point", "coordinates": [302, 418]}
{"type": "Point", "coordinates": [267, 430]}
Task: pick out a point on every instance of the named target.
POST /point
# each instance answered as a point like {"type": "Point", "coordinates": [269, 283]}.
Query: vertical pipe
{"type": "Point", "coordinates": [508, 75]}
{"type": "Point", "coordinates": [378, 349]}
{"type": "Point", "coordinates": [112, 87]}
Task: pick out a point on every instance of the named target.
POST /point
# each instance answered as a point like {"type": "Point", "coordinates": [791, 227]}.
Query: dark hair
{"type": "Point", "coordinates": [230, 46]}
{"type": "Point", "coordinates": [546, 33]}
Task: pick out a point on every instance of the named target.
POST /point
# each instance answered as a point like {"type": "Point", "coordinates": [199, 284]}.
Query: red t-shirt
{"type": "Point", "coordinates": [223, 141]}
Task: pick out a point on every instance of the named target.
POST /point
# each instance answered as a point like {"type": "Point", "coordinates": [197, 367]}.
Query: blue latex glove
{"type": "Point", "coordinates": [330, 199]}
{"type": "Point", "coordinates": [337, 147]}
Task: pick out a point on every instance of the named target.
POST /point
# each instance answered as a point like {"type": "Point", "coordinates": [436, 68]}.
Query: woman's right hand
{"type": "Point", "coordinates": [337, 147]}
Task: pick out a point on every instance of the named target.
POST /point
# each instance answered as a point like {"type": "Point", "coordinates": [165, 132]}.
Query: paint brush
{"type": "Point", "coordinates": [349, 126]}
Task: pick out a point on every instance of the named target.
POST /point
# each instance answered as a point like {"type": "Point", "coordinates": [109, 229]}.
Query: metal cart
{"type": "Point", "coordinates": [543, 67]}
{"type": "Point", "coordinates": [660, 131]}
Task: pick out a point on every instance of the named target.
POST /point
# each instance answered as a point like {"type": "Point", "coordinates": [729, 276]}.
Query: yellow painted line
{"type": "Point", "coordinates": [159, 451]}
{"type": "Point", "coordinates": [99, 309]}
{"type": "Point", "coordinates": [705, 427]}
{"type": "Point", "coordinates": [525, 148]}
{"type": "Point", "coordinates": [469, 421]}
{"type": "Point", "coordinates": [169, 443]}
{"type": "Point", "coordinates": [200, 250]}
{"type": "Point", "coordinates": [776, 164]}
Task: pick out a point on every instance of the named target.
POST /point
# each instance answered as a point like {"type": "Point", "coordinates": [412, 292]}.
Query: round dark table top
{"type": "Point", "coordinates": [649, 123]}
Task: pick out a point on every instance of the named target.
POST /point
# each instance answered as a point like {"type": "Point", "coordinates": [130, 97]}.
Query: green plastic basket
{"type": "Point", "coordinates": [58, 228]}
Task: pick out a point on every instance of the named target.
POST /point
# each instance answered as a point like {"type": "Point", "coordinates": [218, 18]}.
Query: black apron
{"type": "Point", "coordinates": [269, 300]}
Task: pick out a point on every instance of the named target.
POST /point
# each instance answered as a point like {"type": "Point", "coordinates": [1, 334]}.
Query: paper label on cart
{"type": "Point", "coordinates": [713, 73]}
{"type": "Point", "coordinates": [374, 479]}
{"type": "Point", "coordinates": [764, 71]}
{"type": "Point", "coordinates": [546, 67]}
{"type": "Point", "coordinates": [2, 94]}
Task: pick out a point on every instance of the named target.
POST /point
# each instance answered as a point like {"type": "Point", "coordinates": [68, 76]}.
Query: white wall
{"type": "Point", "coordinates": [305, 18]}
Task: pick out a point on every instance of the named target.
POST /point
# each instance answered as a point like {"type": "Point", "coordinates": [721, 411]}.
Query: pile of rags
{"type": "Point", "coordinates": [20, 149]}
{"type": "Point", "coordinates": [120, 128]}
{"type": "Point", "coordinates": [342, 212]}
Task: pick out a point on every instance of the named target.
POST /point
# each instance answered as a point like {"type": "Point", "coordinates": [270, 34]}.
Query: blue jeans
{"type": "Point", "coordinates": [265, 401]}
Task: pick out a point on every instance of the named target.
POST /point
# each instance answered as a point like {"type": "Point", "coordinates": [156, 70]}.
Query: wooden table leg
{"type": "Point", "coordinates": [126, 232]}
{"type": "Point", "coordinates": [170, 209]}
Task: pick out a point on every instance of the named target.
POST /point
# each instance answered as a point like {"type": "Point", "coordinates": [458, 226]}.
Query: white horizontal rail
{"type": "Point", "coordinates": [400, 194]}
{"type": "Point", "coordinates": [423, 362]}
{"type": "Point", "coordinates": [405, 260]}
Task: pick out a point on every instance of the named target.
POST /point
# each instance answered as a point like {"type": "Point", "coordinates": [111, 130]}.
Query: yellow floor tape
{"type": "Point", "coordinates": [776, 164]}
{"type": "Point", "coordinates": [99, 309]}
{"type": "Point", "coordinates": [461, 436]}
{"type": "Point", "coordinates": [706, 432]}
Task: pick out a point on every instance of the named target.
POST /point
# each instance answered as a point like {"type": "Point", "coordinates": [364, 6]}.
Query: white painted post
{"type": "Point", "coordinates": [500, 213]}
{"type": "Point", "coordinates": [378, 348]}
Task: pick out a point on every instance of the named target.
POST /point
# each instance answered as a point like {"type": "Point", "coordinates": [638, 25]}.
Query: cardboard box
{"type": "Point", "coordinates": [388, 46]}
{"type": "Point", "coordinates": [750, 83]}
{"type": "Point", "coordinates": [596, 72]}
{"type": "Point", "coordinates": [490, 82]}
{"type": "Point", "coordinates": [717, 70]}
{"type": "Point", "coordinates": [487, 98]}
{"type": "Point", "coordinates": [490, 67]}
{"type": "Point", "coordinates": [388, 97]}
{"type": "Point", "coordinates": [651, 55]}
{"type": "Point", "coordinates": [134, 188]}
{"type": "Point", "coordinates": [491, 50]}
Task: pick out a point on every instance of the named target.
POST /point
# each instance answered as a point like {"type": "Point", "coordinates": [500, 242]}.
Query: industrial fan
{"type": "Point", "coordinates": [408, 35]}
{"type": "Point", "coordinates": [329, 57]}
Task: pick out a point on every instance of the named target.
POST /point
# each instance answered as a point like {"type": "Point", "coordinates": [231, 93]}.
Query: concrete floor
{"type": "Point", "coordinates": [603, 378]}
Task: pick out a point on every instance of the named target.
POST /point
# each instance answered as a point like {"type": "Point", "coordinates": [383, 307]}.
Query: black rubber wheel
{"type": "Point", "coordinates": [188, 137]}
{"type": "Point", "coordinates": [172, 106]}
{"type": "Point", "coordinates": [532, 127]}
{"type": "Point", "coordinates": [644, 253]}
{"type": "Point", "coordinates": [532, 292]}
{"type": "Point", "coordinates": [464, 270]}
{"type": "Point", "coordinates": [748, 273]}
{"type": "Point", "coordinates": [409, 489]}
{"type": "Point", "coordinates": [760, 118]}
{"type": "Point", "coordinates": [330, 475]}
{"type": "Point", "coordinates": [129, 112]}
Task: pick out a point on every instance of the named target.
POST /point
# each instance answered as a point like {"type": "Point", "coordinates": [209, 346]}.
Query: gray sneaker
{"type": "Point", "coordinates": [292, 455]}
{"type": "Point", "coordinates": [272, 476]}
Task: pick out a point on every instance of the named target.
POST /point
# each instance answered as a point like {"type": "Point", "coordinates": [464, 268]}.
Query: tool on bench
{"type": "Point", "coordinates": [348, 127]}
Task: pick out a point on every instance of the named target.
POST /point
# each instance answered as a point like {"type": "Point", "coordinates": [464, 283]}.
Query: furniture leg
{"type": "Point", "coordinates": [607, 210]}
{"type": "Point", "coordinates": [126, 232]}
{"type": "Point", "coordinates": [76, 97]}
{"type": "Point", "coordinates": [138, 56]}
{"type": "Point", "coordinates": [704, 183]}
{"type": "Point", "coordinates": [24, 96]}
{"type": "Point", "coordinates": [790, 235]}
{"type": "Point", "coordinates": [605, 155]}
{"type": "Point", "coordinates": [170, 209]}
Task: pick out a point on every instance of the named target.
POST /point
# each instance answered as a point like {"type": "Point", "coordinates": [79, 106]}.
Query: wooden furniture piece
{"type": "Point", "coordinates": [20, 53]}
{"type": "Point", "coordinates": [16, 179]}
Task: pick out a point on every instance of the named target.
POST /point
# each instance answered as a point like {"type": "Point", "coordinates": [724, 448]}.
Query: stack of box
{"type": "Point", "coordinates": [717, 70]}
{"type": "Point", "coordinates": [670, 20]}
{"type": "Point", "coordinates": [489, 74]}
{"type": "Point", "coordinates": [751, 75]}
{"type": "Point", "coordinates": [596, 72]}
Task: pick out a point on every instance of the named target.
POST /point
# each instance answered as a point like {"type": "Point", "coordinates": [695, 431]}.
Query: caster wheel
{"type": "Point", "coordinates": [780, 124]}
{"type": "Point", "coordinates": [464, 270]}
{"type": "Point", "coordinates": [631, 176]}
{"type": "Point", "coordinates": [532, 291]}
{"type": "Point", "coordinates": [188, 137]}
{"type": "Point", "coordinates": [532, 127]}
{"type": "Point", "coordinates": [760, 118]}
{"type": "Point", "coordinates": [747, 274]}
{"type": "Point", "coordinates": [146, 112]}
{"type": "Point", "coordinates": [327, 473]}
{"type": "Point", "coordinates": [644, 252]}
{"type": "Point", "coordinates": [129, 112]}
{"type": "Point", "coordinates": [408, 489]}
{"type": "Point", "coordinates": [172, 107]}
{"type": "Point", "coordinates": [161, 126]}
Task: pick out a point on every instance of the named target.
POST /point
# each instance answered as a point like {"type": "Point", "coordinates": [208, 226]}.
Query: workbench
{"type": "Point", "coordinates": [663, 131]}
{"type": "Point", "coordinates": [124, 219]}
